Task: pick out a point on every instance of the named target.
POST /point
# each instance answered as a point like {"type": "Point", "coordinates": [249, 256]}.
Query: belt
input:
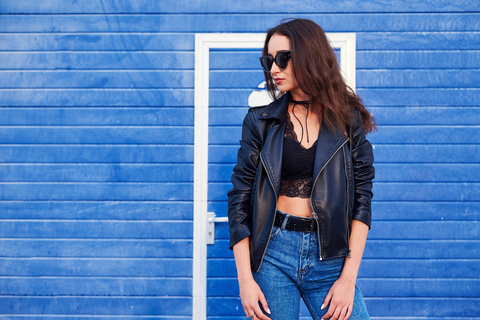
{"type": "Point", "coordinates": [295, 223]}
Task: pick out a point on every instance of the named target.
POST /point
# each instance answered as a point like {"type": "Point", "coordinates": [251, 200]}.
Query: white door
{"type": "Point", "coordinates": [227, 76]}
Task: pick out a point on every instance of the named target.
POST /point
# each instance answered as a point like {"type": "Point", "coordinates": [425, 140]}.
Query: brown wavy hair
{"type": "Point", "coordinates": [318, 75]}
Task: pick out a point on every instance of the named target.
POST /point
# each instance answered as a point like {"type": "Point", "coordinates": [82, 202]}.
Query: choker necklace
{"type": "Point", "coordinates": [306, 104]}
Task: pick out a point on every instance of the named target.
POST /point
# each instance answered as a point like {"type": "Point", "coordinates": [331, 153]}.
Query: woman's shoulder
{"type": "Point", "coordinates": [254, 113]}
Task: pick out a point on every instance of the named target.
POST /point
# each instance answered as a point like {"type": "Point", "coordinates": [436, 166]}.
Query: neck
{"type": "Point", "coordinates": [299, 95]}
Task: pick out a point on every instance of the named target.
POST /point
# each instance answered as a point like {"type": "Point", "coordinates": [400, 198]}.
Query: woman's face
{"type": "Point", "coordinates": [284, 79]}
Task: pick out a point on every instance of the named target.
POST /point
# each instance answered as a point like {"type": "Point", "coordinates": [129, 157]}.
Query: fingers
{"type": "Point", "coordinates": [264, 303]}
{"type": "Point", "coordinates": [349, 312]}
{"type": "Point", "coordinates": [336, 312]}
{"type": "Point", "coordinates": [327, 299]}
{"type": "Point", "coordinates": [325, 304]}
{"type": "Point", "coordinates": [343, 313]}
{"type": "Point", "coordinates": [255, 311]}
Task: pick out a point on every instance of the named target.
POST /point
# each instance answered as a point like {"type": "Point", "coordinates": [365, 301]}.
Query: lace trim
{"type": "Point", "coordinates": [289, 131]}
{"type": "Point", "coordinates": [291, 134]}
{"type": "Point", "coordinates": [300, 188]}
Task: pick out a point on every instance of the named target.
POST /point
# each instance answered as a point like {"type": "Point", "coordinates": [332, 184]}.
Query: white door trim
{"type": "Point", "coordinates": [203, 43]}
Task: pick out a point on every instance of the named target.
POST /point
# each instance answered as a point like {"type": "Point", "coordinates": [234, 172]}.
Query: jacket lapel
{"type": "Point", "coordinates": [272, 150]}
{"type": "Point", "coordinates": [327, 145]}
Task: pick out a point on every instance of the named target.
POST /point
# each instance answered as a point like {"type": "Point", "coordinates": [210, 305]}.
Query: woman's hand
{"type": "Point", "coordinates": [340, 297]}
{"type": "Point", "coordinates": [251, 294]}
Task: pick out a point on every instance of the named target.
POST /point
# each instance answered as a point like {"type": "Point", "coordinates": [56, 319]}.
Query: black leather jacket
{"type": "Point", "coordinates": [341, 190]}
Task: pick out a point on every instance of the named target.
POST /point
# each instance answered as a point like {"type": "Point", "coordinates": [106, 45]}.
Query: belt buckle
{"type": "Point", "coordinates": [312, 225]}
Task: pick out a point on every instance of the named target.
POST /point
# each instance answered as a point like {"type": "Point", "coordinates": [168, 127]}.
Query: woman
{"type": "Point", "coordinates": [300, 207]}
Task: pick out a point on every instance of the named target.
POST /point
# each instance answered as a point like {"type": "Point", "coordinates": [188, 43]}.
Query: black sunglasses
{"type": "Point", "coordinates": [281, 60]}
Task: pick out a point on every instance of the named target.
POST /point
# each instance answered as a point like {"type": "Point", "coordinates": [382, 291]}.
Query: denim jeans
{"type": "Point", "coordinates": [291, 269]}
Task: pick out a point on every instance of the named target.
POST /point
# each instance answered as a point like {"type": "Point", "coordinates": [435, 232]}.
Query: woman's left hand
{"type": "Point", "coordinates": [340, 297]}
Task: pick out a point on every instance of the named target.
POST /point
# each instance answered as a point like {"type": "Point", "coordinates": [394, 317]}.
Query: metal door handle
{"type": "Point", "coordinates": [212, 218]}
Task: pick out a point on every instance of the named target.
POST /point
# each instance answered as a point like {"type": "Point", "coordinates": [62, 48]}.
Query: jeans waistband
{"type": "Point", "coordinates": [294, 223]}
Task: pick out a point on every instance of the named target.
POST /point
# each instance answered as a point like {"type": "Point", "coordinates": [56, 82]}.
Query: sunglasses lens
{"type": "Point", "coordinates": [281, 60]}
{"type": "Point", "coordinates": [267, 63]}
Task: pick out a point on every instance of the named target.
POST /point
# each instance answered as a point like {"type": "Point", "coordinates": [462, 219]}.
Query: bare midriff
{"type": "Point", "coordinates": [295, 206]}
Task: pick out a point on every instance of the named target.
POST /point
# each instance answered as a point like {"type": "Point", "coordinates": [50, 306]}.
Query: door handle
{"type": "Point", "coordinates": [211, 219]}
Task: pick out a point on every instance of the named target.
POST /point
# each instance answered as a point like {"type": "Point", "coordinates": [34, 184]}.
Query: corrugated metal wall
{"type": "Point", "coordinates": [96, 152]}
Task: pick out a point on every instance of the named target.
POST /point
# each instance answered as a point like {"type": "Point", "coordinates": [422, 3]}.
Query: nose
{"type": "Point", "coordinates": [275, 68]}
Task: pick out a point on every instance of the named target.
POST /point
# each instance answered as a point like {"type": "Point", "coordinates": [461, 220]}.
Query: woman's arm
{"type": "Point", "coordinates": [340, 297]}
{"type": "Point", "coordinates": [341, 294]}
{"type": "Point", "coordinates": [243, 177]}
{"type": "Point", "coordinates": [239, 217]}
{"type": "Point", "coordinates": [250, 292]}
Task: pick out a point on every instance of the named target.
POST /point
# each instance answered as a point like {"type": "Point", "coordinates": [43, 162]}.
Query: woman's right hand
{"type": "Point", "coordinates": [251, 294]}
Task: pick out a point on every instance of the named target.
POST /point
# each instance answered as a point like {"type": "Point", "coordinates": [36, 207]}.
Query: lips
{"type": "Point", "coordinates": [278, 80]}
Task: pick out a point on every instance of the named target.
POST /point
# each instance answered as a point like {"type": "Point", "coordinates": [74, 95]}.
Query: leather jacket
{"type": "Point", "coordinates": [341, 190]}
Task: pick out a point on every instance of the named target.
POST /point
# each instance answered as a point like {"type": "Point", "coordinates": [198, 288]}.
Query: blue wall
{"type": "Point", "coordinates": [96, 151]}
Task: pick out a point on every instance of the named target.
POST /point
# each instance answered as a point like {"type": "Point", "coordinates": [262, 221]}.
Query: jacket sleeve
{"type": "Point", "coordinates": [243, 177]}
{"type": "Point", "coordinates": [363, 173]}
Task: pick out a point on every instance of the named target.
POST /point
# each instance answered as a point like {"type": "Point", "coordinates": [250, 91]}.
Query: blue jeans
{"type": "Point", "coordinates": [291, 269]}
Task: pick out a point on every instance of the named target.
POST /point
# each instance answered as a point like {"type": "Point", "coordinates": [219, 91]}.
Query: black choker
{"type": "Point", "coordinates": [306, 104]}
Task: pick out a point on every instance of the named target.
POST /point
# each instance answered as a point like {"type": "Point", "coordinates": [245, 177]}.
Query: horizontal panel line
{"type": "Point", "coordinates": [111, 108]}
{"type": "Point", "coordinates": [36, 315]}
{"type": "Point", "coordinates": [427, 144]}
{"type": "Point", "coordinates": [421, 298]}
{"type": "Point", "coordinates": [421, 239]}
{"type": "Point", "coordinates": [95, 126]}
{"type": "Point", "coordinates": [92, 277]}
{"type": "Point", "coordinates": [92, 296]}
{"type": "Point", "coordinates": [413, 278]}
{"type": "Point", "coordinates": [418, 50]}
{"type": "Point", "coordinates": [101, 239]}
{"type": "Point", "coordinates": [405, 88]}
{"type": "Point", "coordinates": [96, 163]}
{"type": "Point", "coordinates": [90, 183]}
{"type": "Point", "coordinates": [114, 33]}
{"type": "Point", "coordinates": [422, 201]}
{"type": "Point", "coordinates": [421, 107]}
{"type": "Point", "coordinates": [97, 145]}
{"type": "Point", "coordinates": [102, 89]}
{"type": "Point", "coordinates": [192, 33]}
{"type": "Point", "coordinates": [409, 69]}
{"type": "Point", "coordinates": [98, 89]}
{"type": "Point", "coordinates": [109, 51]}
{"type": "Point", "coordinates": [260, 13]}
{"type": "Point", "coordinates": [163, 164]}
{"type": "Point", "coordinates": [94, 258]}
{"type": "Point", "coordinates": [427, 125]}
{"type": "Point", "coordinates": [98, 201]}
{"type": "Point", "coordinates": [67, 70]}
{"type": "Point", "coordinates": [96, 220]}
{"type": "Point", "coordinates": [428, 240]}
{"type": "Point", "coordinates": [426, 221]}
{"type": "Point", "coordinates": [94, 51]}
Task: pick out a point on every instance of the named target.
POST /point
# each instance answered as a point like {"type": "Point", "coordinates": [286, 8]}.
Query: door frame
{"type": "Point", "coordinates": [346, 42]}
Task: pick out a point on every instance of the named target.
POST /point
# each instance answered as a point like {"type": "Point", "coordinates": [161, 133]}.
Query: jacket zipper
{"type": "Point", "coordinates": [311, 202]}
{"type": "Point", "coordinates": [348, 196]}
{"type": "Point", "coordinates": [274, 215]}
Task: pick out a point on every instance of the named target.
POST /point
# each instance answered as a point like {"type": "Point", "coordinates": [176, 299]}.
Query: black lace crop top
{"type": "Point", "coordinates": [297, 165]}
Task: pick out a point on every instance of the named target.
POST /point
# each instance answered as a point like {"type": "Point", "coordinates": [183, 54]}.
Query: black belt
{"type": "Point", "coordinates": [295, 223]}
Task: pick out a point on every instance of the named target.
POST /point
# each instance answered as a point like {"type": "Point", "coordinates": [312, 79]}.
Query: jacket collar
{"type": "Point", "coordinates": [277, 109]}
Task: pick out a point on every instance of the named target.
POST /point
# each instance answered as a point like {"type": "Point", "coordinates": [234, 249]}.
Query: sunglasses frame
{"type": "Point", "coordinates": [288, 54]}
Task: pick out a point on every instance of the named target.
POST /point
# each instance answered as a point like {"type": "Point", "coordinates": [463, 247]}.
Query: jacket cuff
{"type": "Point", "coordinates": [365, 218]}
{"type": "Point", "coordinates": [238, 236]}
